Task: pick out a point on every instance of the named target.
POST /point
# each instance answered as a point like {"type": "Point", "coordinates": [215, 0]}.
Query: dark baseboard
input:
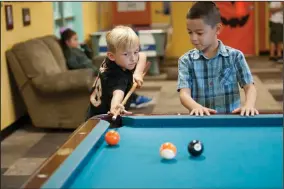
{"type": "Point", "coordinates": [14, 126]}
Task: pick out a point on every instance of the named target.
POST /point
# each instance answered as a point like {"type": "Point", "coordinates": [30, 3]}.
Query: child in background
{"type": "Point", "coordinates": [75, 57]}
{"type": "Point", "coordinates": [276, 31]}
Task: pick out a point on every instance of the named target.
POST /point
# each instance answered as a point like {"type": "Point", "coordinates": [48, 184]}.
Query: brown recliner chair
{"type": "Point", "coordinates": [55, 97]}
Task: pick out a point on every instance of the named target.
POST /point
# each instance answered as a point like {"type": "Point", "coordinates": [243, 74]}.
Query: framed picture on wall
{"type": "Point", "coordinates": [9, 17]}
{"type": "Point", "coordinates": [26, 16]}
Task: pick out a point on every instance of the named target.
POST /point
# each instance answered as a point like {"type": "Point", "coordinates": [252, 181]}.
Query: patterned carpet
{"type": "Point", "coordinates": [28, 147]}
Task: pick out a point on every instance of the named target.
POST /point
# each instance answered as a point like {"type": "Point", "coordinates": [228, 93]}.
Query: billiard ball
{"type": "Point", "coordinates": [195, 148]}
{"type": "Point", "coordinates": [112, 138]}
{"type": "Point", "coordinates": [168, 151]}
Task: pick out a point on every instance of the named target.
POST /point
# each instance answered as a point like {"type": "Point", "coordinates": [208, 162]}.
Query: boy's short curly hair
{"type": "Point", "coordinates": [121, 38]}
{"type": "Point", "coordinates": [206, 10]}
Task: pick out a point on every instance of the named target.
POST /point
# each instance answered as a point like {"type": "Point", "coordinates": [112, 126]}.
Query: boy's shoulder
{"type": "Point", "coordinates": [230, 51]}
{"type": "Point", "coordinates": [227, 51]}
{"type": "Point", "coordinates": [189, 55]}
{"type": "Point", "coordinates": [109, 66]}
{"type": "Point", "coordinates": [234, 55]}
{"type": "Point", "coordinates": [109, 70]}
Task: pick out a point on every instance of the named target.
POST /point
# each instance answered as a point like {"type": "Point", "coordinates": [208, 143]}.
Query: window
{"type": "Point", "coordinates": [68, 14]}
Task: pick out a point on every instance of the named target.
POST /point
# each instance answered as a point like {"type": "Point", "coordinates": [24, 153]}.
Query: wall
{"type": "Point", "coordinates": [106, 15]}
{"type": "Point", "coordinates": [90, 18]}
{"type": "Point", "coordinates": [91, 21]}
{"type": "Point", "coordinates": [263, 26]}
{"type": "Point", "coordinates": [158, 18]}
{"type": "Point", "coordinates": [179, 43]}
{"type": "Point", "coordinates": [12, 106]}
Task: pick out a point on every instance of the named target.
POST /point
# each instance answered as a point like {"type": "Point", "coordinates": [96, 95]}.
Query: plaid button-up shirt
{"type": "Point", "coordinates": [214, 82]}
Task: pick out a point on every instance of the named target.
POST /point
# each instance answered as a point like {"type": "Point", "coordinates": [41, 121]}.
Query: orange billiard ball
{"type": "Point", "coordinates": [112, 138]}
{"type": "Point", "coordinates": [168, 150]}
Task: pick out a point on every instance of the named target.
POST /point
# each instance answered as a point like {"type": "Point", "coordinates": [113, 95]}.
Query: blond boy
{"type": "Point", "coordinates": [123, 64]}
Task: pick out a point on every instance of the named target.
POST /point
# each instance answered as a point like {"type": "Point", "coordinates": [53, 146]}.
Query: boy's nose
{"type": "Point", "coordinates": [193, 38]}
{"type": "Point", "coordinates": [132, 57]}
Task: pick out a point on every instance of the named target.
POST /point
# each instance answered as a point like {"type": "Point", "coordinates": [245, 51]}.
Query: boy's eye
{"type": "Point", "coordinates": [199, 33]}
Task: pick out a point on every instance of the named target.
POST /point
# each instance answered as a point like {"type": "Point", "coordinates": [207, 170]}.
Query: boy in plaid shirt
{"type": "Point", "coordinates": [209, 74]}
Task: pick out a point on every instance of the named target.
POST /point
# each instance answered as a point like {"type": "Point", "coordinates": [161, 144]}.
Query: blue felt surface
{"type": "Point", "coordinates": [233, 158]}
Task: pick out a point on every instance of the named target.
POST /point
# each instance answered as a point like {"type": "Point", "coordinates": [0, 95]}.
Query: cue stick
{"type": "Point", "coordinates": [133, 88]}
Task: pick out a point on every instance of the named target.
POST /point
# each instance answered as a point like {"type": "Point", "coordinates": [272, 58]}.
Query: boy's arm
{"type": "Point", "coordinates": [87, 50]}
{"type": "Point", "coordinates": [250, 92]}
{"type": "Point", "coordinates": [116, 100]}
{"type": "Point", "coordinates": [184, 85]}
{"type": "Point", "coordinates": [243, 73]}
{"type": "Point", "coordinates": [274, 9]}
{"type": "Point", "coordinates": [138, 73]}
{"type": "Point", "coordinates": [246, 82]}
{"type": "Point", "coordinates": [193, 107]}
{"type": "Point", "coordinates": [117, 97]}
{"type": "Point", "coordinates": [249, 105]}
{"type": "Point", "coordinates": [186, 100]}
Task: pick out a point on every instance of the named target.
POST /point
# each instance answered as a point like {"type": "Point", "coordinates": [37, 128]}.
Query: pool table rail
{"type": "Point", "coordinates": [263, 120]}
{"type": "Point", "coordinates": [49, 167]}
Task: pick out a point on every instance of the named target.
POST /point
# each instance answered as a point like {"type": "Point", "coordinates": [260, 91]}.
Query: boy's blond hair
{"type": "Point", "coordinates": [121, 38]}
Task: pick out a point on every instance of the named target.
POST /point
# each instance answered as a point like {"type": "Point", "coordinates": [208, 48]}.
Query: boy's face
{"type": "Point", "coordinates": [73, 42]}
{"type": "Point", "coordinates": [127, 59]}
{"type": "Point", "coordinates": [201, 34]}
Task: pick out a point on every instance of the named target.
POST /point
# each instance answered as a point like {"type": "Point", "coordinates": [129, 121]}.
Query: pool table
{"type": "Point", "coordinates": [239, 152]}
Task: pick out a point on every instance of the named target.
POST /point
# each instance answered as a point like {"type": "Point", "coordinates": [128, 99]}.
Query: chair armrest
{"type": "Point", "coordinates": [69, 81]}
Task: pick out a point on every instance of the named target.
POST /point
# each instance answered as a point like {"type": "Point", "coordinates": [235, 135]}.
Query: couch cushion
{"type": "Point", "coordinates": [52, 42]}
{"type": "Point", "coordinates": [36, 58]}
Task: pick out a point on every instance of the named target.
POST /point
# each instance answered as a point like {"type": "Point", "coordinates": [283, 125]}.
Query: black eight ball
{"type": "Point", "coordinates": [195, 148]}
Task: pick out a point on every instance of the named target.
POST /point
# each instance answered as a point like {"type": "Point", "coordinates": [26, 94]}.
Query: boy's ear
{"type": "Point", "coordinates": [219, 28]}
{"type": "Point", "coordinates": [110, 56]}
